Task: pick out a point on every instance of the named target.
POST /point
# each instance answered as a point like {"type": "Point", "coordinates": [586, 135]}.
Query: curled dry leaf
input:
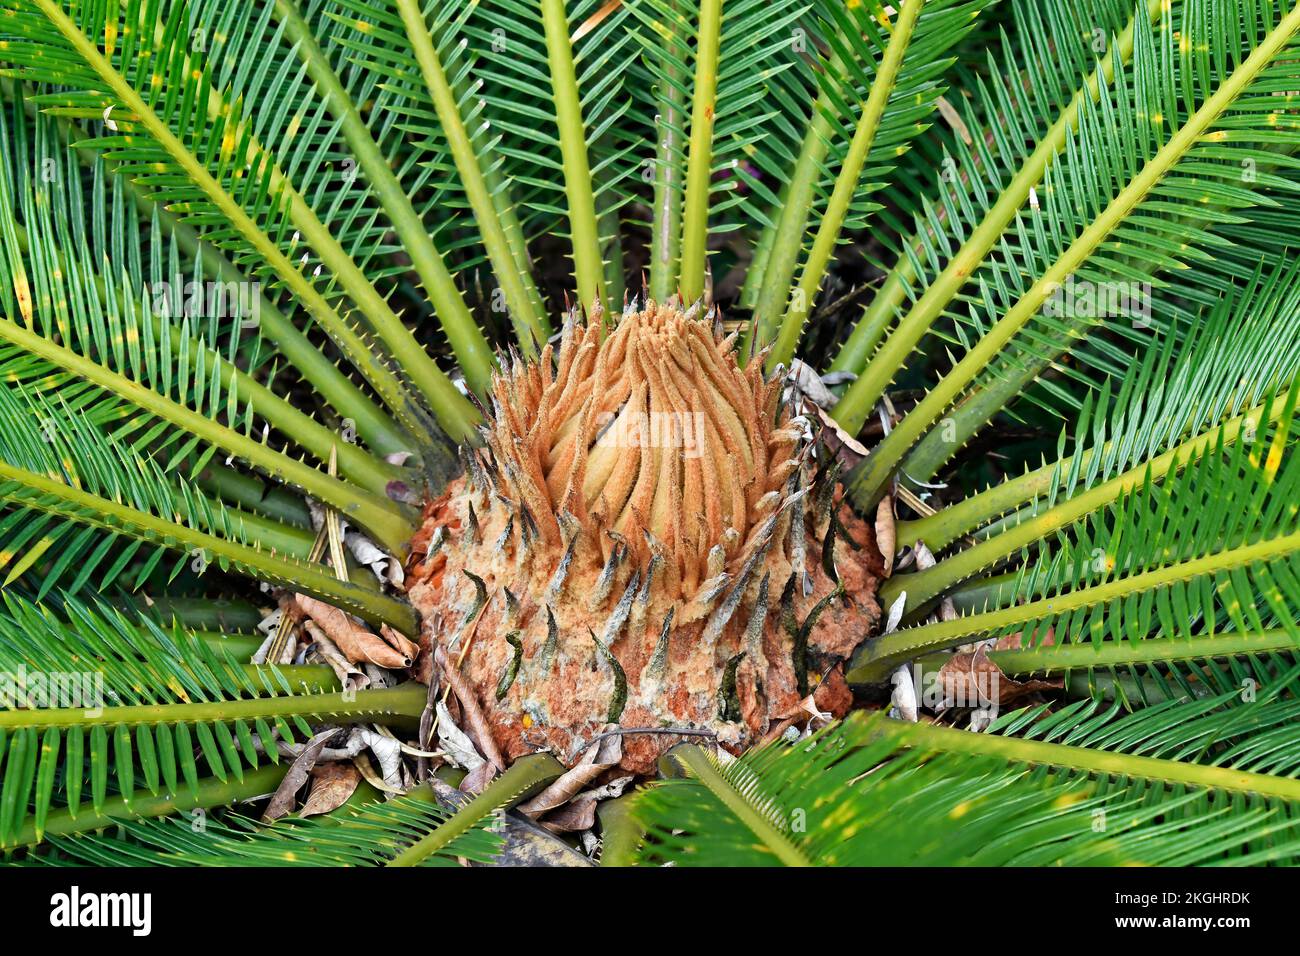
{"type": "Point", "coordinates": [331, 785]}
{"type": "Point", "coordinates": [478, 725]}
{"type": "Point", "coordinates": [455, 743]}
{"type": "Point", "coordinates": [599, 757]}
{"type": "Point", "coordinates": [259, 656]}
{"type": "Point", "coordinates": [574, 817]}
{"type": "Point", "coordinates": [809, 708]}
{"type": "Point", "coordinates": [357, 644]}
{"type": "Point", "coordinates": [973, 680]}
{"type": "Point", "coordinates": [270, 621]}
{"type": "Point", "coordinates": [903, 697]}
{"type": "Point", "coordinates": [925, 560]}
{"type": "Point", "coordinates": [367, 553]}
{"type": "Point", "coordinates": [283, 799]}
{"type": "Point", "coordinates": [895, 616]}
{"type": "Point", "coordinates": [387, 750]}
{"type": "Point", "coordinates": [478, 778]}
{"type": "Point", "coordinates": [886, 533]}
{"type": "Point", "coordinates": [844, 446]}
{"type": "Point", "coordinates": [954, 120]}
{"type": "Point", "coordinates": [809, 384]}
{"type": "Point", "coordinates": [403, 645]}
{"type": "Point", "coordinates": [367, 769]}
{"type": "Point", "coordinates": [579, 814]}
{"type": "Point", "coordinates": [349, 676]}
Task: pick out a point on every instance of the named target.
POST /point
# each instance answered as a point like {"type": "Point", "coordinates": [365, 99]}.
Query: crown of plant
{"type": "Point", "coordinates": [645, 532]}
{"type": "Point", "coordinates": [642, 502]}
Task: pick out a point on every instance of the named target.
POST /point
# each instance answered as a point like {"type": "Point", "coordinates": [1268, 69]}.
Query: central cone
{"type": "Point", "coordinates": [640, 541]}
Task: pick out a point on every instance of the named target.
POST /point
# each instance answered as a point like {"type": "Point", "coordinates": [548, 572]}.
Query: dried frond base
{"type": "Point", "coordinates": [677, 582]}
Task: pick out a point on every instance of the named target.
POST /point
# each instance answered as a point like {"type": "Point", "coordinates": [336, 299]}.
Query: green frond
{"type": "Point", "coordinates": [64, 478]}
{"type": "Point", "coordinates": [844, 155]}
{"type": "Point", "coordinates": [100, 707]}
{"type": "Point", "coordinates": [215, 168]}
{"type": "Point", "coordinates": [1212, 550]}
{"type": "Point", "coordinates": [1188, 389]}
{"type": "Point", "coordinates": [364, 835]}
{"type": "Point", "coordinates": [1084, 204]}
{"type": "Point", "coordinates": [872, 791]}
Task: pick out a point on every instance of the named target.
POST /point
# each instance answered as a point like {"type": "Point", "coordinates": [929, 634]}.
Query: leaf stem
{"type": "Point", "coordinates": [526, 774]}
{"type": "Point", "coordinates": [80, 506]}
{"type": "Point", "coordinates": [514, 276]}
{"type": "Point", "coordinates": [381, 516]}
{"type": "Point", "coordinates": [777, 252]}
{"type": "Point", "coordinates": [455, 412]}
{"type": "Point", "coordinates": [943, 527]}
{"type": "Point", "coordinates": [210, 793]}
{"type": "Point", "coordinates": [699, 165]}
{"type": "Point", "coordinates": [1074, 655]}
{"type": "Point", "coordinates": [588, 269]}
{"type": "Point", "coordinates": [862, 396]}
{"type": "Point", "coordinates": [878, 657]}
{"type": "Point", "coordinates": [666, 230]}
{"type": "Point", "coordinates": [471, 348]}
{"type": "Point", "coordinates": [846, 185]}
{"type": "Point", "coordinates": [879, 468]}
{"type": "Point", "coordinates": [698, 764]}
{"type": "Point", "coordinates": [405, 701]}
{"type": "Point", "coordinates": [1091, 760]}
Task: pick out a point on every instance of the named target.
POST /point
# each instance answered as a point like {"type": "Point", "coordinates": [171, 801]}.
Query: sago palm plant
{"type": "Point", "coordinates": [457, 404]}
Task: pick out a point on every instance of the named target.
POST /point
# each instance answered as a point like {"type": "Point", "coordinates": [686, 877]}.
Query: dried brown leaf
{"type": "Point", "coordinates": [843, 445]}
{"type": "Point", "coordinates": [478, 778]}
{"type": "Point", "coordinates": [403, 645]}
{"type": "Point", "coordinates": [973, 680]}
{"type": "Point", "coordinates": [886, 533]}
{"type": "Point", "coordinates": [357, 644]}
{"type": "Point", "coordinates": [331, 785]}
{"type": "Point", "coordinates": [577, 816]}
{"type": "Point", "coordinates": [599, 757]}
{"type": "Point", "coordinates": [478, 728]}
{"type": "Point", "coordinates": [953, 119]}
{"type": "Point", "coordinates": [283, 799]}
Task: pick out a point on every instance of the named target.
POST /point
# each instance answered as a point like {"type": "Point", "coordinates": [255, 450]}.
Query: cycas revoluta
{"type": "Point", "coordinates": [265, 266]}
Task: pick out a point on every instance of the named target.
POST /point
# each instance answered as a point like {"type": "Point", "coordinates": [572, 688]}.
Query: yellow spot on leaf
{"type": "Point", "coordinates": [1273, 462]}
{"type": "Point", "coordinates": [24, 293]}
